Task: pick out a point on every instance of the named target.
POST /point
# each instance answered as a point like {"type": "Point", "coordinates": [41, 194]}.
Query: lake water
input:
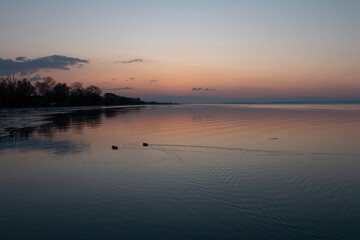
{"type": "Point", "coordinates": [209, 172]}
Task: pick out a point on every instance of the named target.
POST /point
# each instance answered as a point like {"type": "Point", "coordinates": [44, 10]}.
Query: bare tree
{"type": "Point", "coordinates": [93, 90]}
{"type": "Point", "coordinates": [45, 86]}
{"type": "Point", "coordinates": [76, 89]}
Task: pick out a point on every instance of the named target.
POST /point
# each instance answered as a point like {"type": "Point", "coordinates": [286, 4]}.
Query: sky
{"type": "Point", "coordinates": [191, 51]}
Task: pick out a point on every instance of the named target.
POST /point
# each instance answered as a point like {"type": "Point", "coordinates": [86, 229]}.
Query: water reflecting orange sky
{"type": "Point", "coordinates": [283, 128]}
{"type": "Point", "coordinates": [295, 128]}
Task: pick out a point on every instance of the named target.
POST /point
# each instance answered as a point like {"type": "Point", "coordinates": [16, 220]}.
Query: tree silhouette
{"type": "Point", "coordinates": [76, 94]}
{"type": "Point", "coordinates": [21, 93]}
{"type": "Point", "coordinates": [61, 93]}
{"type": "Point", "coordinates": [44, 88]}
{"type": "Point", "coordinates": [92, 95]}
{"type": "Point", "coordinates": [24, 93]}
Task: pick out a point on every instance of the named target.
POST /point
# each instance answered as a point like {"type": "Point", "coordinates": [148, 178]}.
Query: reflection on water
{"type": "Point", "coordinates": [44, 136]}
{"type": "Point", "coordinates": [210, 172]}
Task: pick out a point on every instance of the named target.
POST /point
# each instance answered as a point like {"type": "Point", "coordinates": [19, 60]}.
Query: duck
{"type": "Point", "coordinates": [145, 144]}
{"type": "Point", "coordinates": [113, 147]}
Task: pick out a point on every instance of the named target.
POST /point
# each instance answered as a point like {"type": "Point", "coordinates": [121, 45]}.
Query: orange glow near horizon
{"type": "Point", "coordinates": [149, 79]}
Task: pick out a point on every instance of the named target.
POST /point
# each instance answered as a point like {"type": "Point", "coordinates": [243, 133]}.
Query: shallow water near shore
{"type": "Point", "coordinates": [209, 172]}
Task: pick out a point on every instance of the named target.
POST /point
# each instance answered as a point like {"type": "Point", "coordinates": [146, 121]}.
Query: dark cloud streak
{"type": "Point", "coordinates": [196, 89]}
{"type": "Point", "coordinates": [124, 88]}
{"type": "Point", "coordinates": [202, 89]}
{"type": "Point", "coordinates": [137, 60]}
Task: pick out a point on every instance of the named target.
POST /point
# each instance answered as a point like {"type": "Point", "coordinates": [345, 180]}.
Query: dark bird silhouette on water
{"type": "Point", "coordinates": [113, 147]}
{"type": "Point", "coordinates": [145, 144]}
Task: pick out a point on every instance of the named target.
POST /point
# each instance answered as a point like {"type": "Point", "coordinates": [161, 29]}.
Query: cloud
{"type": "Point", "coordinates": [20, 59]}
{"type": "Point", "coordinates": [137, 60]}
{"type": "Point", "coordinates": [28, 66]}
{"type": "Point", "coordinates": [202, 89]}
{"type": "Point", "coordinates": [153, 81]}
{"type": "Point", "coordinates": [35, 78]}
{"type": "Point", "coordinates": [273, 138]}
{"type": "Point", "coordinates": [196, 89]}
{"type": "Point", "coordinates": [124, 88]}
{"type": "Point", "coordinates": [132, 78]}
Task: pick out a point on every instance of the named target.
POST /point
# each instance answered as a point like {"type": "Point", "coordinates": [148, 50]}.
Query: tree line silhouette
{"type": "Point", "coordinates": [47, 92]}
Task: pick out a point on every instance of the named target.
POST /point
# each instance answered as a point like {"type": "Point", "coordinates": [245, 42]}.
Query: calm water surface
{"type": "Point", "coordinates": [210, 172]}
